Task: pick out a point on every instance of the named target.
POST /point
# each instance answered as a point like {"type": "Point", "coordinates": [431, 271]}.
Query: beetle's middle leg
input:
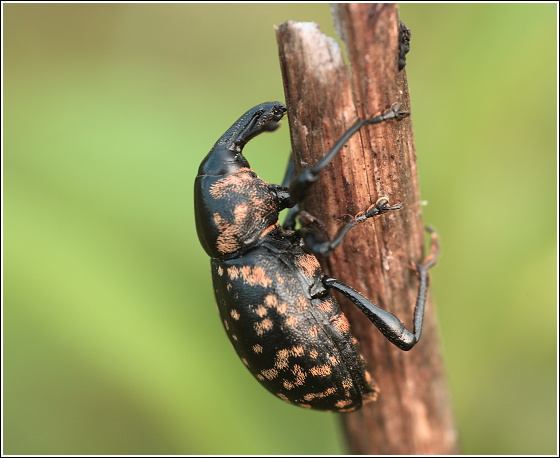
{"type": "Point", "coordinates": [313, 232]}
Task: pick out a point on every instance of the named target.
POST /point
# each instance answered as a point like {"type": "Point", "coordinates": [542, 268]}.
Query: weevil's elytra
{"type": "Point", "coordinates": [289, 343]}
{"type": "Point", "coordinates": [274, 300]}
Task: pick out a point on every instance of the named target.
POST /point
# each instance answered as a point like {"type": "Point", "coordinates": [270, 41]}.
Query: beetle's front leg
{"type": "Point", "coordinates": [298, 186]}
{"type": "Point", "coordinates": [313, 239]}
{"type": "Point", "coordinates": [289, 223]}
{"type": "Point", "coordinates": [302, 182]}
{"type": "Point", "coordinates": [389, 325]}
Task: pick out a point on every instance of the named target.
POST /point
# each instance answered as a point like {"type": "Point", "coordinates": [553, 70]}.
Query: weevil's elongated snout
{"type": "Point", "coordinates": [225, 156]}
{"type": "Point", "coordinates": [262, 118]}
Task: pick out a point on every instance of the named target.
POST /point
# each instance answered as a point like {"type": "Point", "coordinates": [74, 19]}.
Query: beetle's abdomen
{"type": "Point", "coordinates": [232, 211]}
{"type": "Point", "coordinates": [289, 332]}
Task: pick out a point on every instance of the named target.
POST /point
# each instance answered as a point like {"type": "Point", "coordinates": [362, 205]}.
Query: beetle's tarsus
{"type": "Point", "coordinates": [431, 259]}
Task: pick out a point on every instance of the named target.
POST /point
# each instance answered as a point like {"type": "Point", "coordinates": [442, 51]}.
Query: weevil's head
{"type": "Point", "coordinates": [226, 155]}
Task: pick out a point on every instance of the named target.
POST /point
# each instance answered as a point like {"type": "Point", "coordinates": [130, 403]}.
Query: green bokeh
{"type": "Point", "coordinates": [112, 340]}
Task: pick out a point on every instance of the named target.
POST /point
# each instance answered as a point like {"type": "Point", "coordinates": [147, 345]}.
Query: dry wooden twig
{"type": "Point", "coordinates": [413, 413]}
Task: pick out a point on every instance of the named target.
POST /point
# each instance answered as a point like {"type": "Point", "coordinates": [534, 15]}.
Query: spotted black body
{"type": "Point", "coordinates": [273, 298]}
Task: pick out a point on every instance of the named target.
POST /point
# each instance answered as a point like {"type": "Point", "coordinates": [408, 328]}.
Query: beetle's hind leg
{"type": "Point", "coordinates": [313, 233]}
{"type": "Point", "coordinates": [389, 325]}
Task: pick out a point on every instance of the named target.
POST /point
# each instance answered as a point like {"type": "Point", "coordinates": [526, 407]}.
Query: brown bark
{"type": "Point", "coordinates": [413, 413]}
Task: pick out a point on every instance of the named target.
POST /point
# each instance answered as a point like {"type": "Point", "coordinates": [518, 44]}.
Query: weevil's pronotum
{"type": "Point", "coordinates": [273, 298]}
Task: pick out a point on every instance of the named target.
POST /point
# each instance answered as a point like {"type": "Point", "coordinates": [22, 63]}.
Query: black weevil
{"type": "Point", "coordinates": [273, 298]}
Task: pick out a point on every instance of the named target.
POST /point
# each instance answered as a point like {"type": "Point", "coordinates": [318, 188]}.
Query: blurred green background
{"type": "Point", "coordinates": [112, 342]}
